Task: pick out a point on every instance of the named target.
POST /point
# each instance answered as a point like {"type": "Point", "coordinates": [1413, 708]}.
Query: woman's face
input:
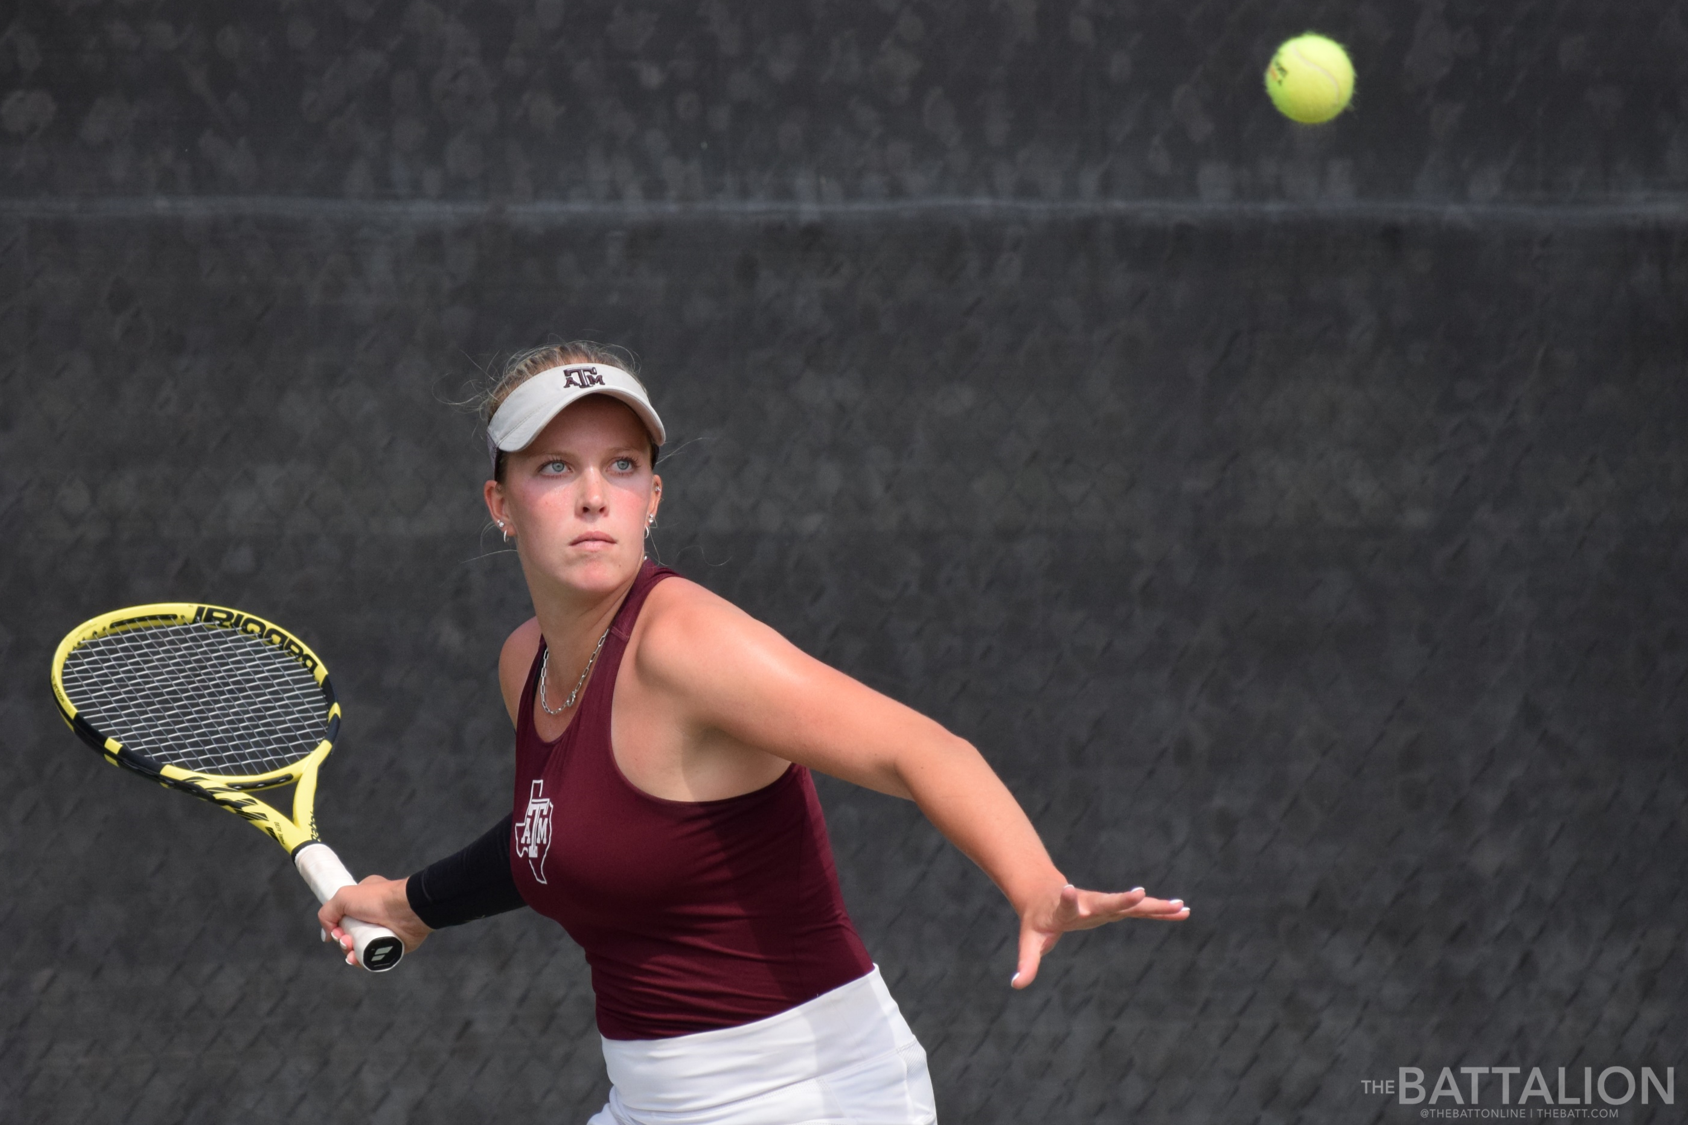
{"type": "Point", "coordinates": [576, 500]}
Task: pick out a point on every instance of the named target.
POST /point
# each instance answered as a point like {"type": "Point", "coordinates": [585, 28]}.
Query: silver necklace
{"type": "Point", "coordinates": [545, 666]}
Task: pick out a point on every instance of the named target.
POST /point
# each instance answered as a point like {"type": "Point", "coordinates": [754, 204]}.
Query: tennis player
{"type": "Point", "coordinates": [664, 812]}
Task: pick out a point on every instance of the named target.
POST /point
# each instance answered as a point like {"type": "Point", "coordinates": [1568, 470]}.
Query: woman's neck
{"type": "Point", "coordinates": [572, 620]}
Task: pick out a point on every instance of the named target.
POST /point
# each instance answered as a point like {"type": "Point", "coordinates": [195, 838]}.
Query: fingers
{"type": "Point", "coordinates": [329, 917]}
{"type": "Point", "coordinates": [1075, 909]}
{"type": "Point", "coordinates": [1093, 908]}
{"type": "Point", "coordinates": [1172, 910]}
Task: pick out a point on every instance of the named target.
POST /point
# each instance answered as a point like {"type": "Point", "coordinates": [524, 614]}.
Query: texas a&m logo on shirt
{"type": "Point", "coordinates": [533, 831]}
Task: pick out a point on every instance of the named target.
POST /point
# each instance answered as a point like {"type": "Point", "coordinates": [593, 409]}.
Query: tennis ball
{"type": "Point", "coordinates": [1310, 79]}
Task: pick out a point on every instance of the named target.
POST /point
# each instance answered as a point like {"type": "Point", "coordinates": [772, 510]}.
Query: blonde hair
{"type": "Point", "coordinates": [525, 365]}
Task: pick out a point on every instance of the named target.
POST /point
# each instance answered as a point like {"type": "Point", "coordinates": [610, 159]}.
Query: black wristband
{"type": "Point", "coordinates": [474, 883]}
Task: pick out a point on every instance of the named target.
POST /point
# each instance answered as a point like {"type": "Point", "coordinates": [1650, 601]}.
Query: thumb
{"type": "Point", "coordinates": [1033, 945]}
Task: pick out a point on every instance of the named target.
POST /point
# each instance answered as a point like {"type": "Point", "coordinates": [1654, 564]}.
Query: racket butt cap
{"type": "Point", "coordinates": [382, 954]}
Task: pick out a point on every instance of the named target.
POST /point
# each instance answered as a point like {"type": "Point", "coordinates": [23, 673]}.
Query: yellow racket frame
{"type": "Point", "coordinates": [231, 793]}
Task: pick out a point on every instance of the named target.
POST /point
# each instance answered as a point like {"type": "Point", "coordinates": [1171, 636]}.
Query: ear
{"type": "Point", "coordinates": [495, 505]}
{"type": "Point", "coordinates": [656, 498]}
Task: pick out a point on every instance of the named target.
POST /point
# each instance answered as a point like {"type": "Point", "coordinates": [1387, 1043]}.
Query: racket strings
{"type": "Point", "coordinates": [201, 698]}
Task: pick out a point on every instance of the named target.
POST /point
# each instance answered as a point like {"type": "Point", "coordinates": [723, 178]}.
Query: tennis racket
{"type": "Point", "coordinates": [219, 704]}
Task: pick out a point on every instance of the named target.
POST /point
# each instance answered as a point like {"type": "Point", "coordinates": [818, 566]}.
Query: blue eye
{"type": "Point", "coordinates": [554, 467]}
{"type": "Point", "coordinates": [625, 464]}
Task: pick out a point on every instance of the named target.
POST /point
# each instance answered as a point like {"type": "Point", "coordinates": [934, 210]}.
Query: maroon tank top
{"type": "Point", "coordinates": [693, 915]}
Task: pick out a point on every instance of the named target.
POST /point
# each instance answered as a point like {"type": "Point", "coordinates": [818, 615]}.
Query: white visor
{"type": "Point", "coordinates": [531, 406]}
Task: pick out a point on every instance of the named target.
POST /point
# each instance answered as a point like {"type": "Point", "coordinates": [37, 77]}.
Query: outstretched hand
{"type": "Point", "coordinates": [379, 901]}
{"type": "Point", "coordinates": [1042, 925]}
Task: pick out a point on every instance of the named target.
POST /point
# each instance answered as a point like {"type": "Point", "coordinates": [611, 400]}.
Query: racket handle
{"type": "Point", "coordinates": [378, 948]}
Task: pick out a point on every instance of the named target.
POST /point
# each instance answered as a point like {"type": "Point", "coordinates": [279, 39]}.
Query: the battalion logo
{"type": "Point", "coordinates": [533, 833]}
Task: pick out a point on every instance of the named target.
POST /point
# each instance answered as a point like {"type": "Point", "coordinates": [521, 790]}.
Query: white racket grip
{"type": "Point", "coordinates": [377, 947]}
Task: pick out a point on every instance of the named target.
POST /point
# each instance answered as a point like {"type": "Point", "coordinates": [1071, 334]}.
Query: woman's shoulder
{"type": "Point", "coordinates": [520, 647]}
{"type": "Point", "coordinates": [682, 623]}
{"type": "Point", "coordinates": [677, 605]}
{"type": "Point", "coordinates": [514, 660]}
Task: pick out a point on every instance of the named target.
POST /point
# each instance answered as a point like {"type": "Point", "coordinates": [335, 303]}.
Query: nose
{"type": "Point", "coordinates": [591, 497]}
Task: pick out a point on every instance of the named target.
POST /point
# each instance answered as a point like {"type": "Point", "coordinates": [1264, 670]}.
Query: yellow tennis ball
{"type": "Point", "coordinates": [1310, 79]}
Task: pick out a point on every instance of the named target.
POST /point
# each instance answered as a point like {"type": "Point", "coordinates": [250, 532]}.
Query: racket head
{"type": "Point", "coordinates": [182, 690]}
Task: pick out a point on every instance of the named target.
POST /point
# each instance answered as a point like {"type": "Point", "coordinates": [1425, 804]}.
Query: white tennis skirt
{"type": "Point", "coordinates": [847, 1057]}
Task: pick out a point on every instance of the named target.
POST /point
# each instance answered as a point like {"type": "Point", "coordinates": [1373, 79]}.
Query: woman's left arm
{"type": "Point", "coordinates": [731, 674]}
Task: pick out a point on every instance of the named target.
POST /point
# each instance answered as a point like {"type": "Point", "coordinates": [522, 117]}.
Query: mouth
{"type": "Point", "coordinates": [591, 537]}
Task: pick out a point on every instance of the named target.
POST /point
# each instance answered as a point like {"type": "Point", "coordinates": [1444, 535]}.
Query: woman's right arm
{"type": "Point", "coordinates": [471, 884]}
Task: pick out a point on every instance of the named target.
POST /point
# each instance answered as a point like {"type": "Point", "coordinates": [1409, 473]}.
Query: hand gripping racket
{"type": "Point", "coordinates": [219, 704]}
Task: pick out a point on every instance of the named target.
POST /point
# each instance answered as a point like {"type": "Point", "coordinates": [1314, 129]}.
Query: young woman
{"type": "Point", "coordinates": [664, 812]}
